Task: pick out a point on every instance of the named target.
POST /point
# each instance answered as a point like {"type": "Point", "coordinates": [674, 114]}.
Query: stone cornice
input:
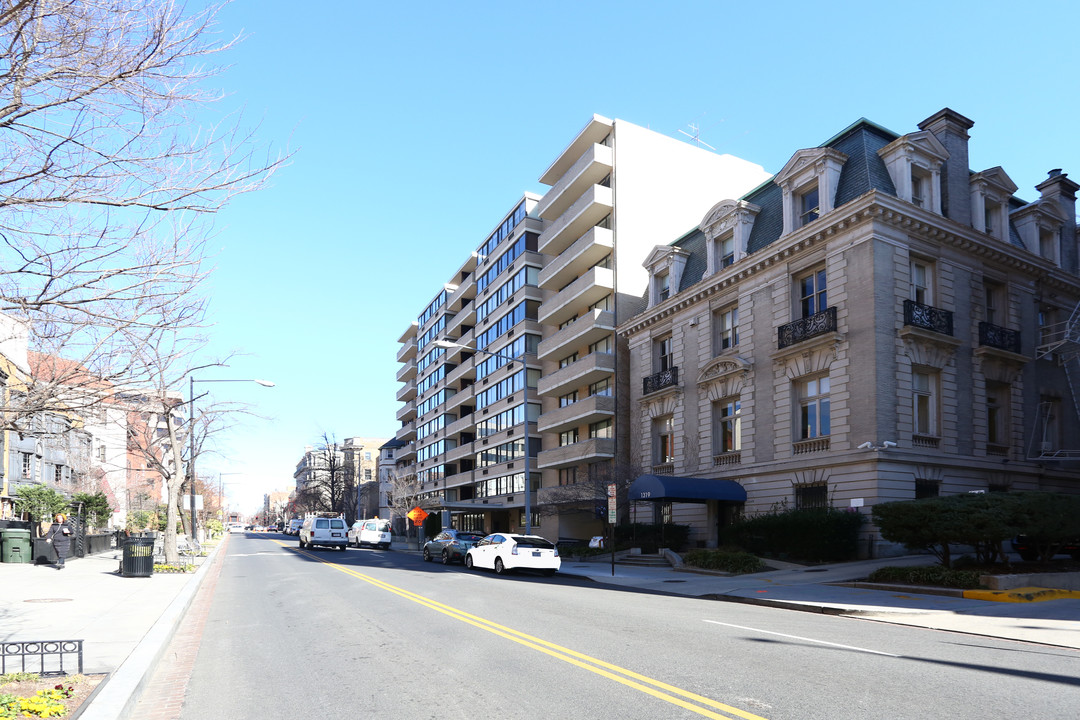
{"type": "Point", "coordinates": [871, 207]}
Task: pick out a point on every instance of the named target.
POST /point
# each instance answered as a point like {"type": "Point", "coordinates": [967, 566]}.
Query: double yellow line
{"type": "Point", "coordinates": [655, 688]}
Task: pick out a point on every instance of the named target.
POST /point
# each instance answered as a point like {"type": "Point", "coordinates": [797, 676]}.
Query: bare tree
{"type": "Point", "coordinates": [589, 496]}
{"type": "Point", "coordinates": [326, 488]}
{"type": "Point", "coordinates": [111, 168]}
{"type": "Point", "coordinates": [405, 494]}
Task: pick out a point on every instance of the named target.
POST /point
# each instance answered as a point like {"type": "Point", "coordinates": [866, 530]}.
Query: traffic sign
{"type": "Point", "coordinates": [417, 515]}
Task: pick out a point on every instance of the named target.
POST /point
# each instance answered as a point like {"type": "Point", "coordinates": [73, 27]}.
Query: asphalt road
{"type": "Point", "coordinates": [368, 633]}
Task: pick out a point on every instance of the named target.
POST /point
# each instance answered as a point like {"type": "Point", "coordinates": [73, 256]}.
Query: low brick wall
{"type": "Point", "coordinates": [1057, 581]}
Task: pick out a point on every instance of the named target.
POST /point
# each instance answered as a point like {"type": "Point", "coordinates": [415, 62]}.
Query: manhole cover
{"type": "Point", "coordinates": [816, 570]}
{"type": "Point", "coordinates": [49, 600]}
{"type": "Point", "coordinates": [674, 581]}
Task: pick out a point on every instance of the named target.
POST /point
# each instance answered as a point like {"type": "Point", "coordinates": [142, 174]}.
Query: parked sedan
{"type": "Point", "coordinates": [450, 545]}
{"type": "Point", "coordinates": [504, 552]}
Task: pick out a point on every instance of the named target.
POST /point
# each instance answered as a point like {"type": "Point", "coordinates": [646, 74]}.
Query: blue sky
{"type": "Point", "coordinates": [417, 126]}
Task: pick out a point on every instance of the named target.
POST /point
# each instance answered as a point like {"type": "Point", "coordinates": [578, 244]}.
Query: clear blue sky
{"type": "Point", "coordinates": [416, 126]}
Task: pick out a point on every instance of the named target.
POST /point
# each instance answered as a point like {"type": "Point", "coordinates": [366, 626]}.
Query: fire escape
{"type": "Point", "coordinates": [1063, 342]}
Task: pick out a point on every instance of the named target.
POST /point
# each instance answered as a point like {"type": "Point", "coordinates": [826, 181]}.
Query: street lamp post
{"type": "Point", "coordinates": [525, 395]}
{"type": "Point", "coordinates": [191, 435]}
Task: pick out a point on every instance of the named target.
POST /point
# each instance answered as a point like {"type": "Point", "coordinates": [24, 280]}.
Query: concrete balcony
{"type": "Point", "coordinates": [592, 326]}
{"type": "Point", "coordinates": [594, 205]}
{"type": "Point", "coordinates": [589, 369]}
{"type": "Point", "coordinates": [404, 453]}
{"type": "Point", "coordinates": [462, 294]}
{"type": "Point", "coordinates": [461, 451]}
{"type": "Point", "coordinates": [465, 316]}
{"type": "Point", "coordinates": [579, 414]}
{"type": "Point", "coordinates": [588, 250]}
{"type": "Point", "coordinates": [406, 432]}
{"type": "Point", "coordinates": [592, 167]}
{"type": "Point", "coordinates": [407, 351]}
{"type": "Point", "coordinates": [463, 424]}
{"type": "Point", "coordinates": [407, 412]}
{"type": "Point", "coordinates": [591, 287]}
{"type": "Point", "coordinates": [466, 370]}
{"type": "Point", "coordinates": [457, 399]}
{"type": "Point", "coordinates": [586, 451]}
{"type": "Point", "coordinates": [407, 391]}
{"type": "Point", "coordinates": [407, 371]}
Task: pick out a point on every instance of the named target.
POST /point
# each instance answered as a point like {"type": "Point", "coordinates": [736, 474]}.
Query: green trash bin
{"type": "Point", "coordinates": [15, 546]}
{"type": "Point", "coordinates": [138, 559]}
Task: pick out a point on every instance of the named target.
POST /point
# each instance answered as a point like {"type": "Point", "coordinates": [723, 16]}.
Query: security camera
{"type": "Point", "coordinates": [889, 444]}
{"type": "Point", "coordinates": [866, 446]}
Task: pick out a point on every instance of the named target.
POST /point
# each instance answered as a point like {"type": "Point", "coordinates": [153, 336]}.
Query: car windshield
{"type": "Point", "coordinates": [533, 542]}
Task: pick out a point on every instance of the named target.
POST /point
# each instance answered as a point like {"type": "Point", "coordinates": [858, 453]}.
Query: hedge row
{"type": "Point", "coordinates": [984, 521]}
{"type": "Point", "coordinates": [724, 559]}
{"type": "Point", "coordinates": [814, 534]}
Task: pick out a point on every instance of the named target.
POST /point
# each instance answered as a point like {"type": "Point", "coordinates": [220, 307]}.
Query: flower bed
{"type": "Point", "coordinates": [25, 695]}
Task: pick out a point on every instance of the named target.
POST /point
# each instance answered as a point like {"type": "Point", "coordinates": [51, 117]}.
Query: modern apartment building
{"type": "Point", "coordinates": [546, 286]}
{"type": "Point", "coordinates": [614, 191]}
{"type": "Point", "coordinates": [878, 322]}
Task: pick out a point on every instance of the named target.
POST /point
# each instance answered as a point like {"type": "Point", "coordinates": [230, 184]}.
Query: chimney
{"type": "Point", "coordinates": [950, 128]}
{"type": "Point", "coordinates": [1060, 189]}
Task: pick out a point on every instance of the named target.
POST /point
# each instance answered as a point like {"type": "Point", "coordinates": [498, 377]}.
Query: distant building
{"type": "Point", "coordinates": [879, 322]}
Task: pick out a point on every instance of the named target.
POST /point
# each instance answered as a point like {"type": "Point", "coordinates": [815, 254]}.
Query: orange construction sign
{"type": "Point", "coordinates": [417, 516]}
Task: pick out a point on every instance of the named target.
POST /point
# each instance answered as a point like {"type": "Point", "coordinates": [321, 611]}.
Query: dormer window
{"type": "Point", "coordinates": [726, 247]}
{"type": "Point", "coordinates": [727, 229]}
{"type": "Point", "coordinates": [808, 205]}
{"type": "Point", "coordinates": [914, 163]}
{"type": "Point", "coordinates": [809, 182]}
{"type": "Point", "coordinates": [1039, 226]}
{"type": "Point", "coordinates": [990, 193]}
{"type": "Point", "coordinates": [1048, 244]}
{"type": "Point", "coordinates": [665, 265]}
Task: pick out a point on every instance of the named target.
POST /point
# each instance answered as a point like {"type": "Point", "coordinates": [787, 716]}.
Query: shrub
{"type": "Point", "coordinates": [724, 559]}
{"type": "Point", "coordinates": [814, 534]}
{"type": "Point", "coordinates": [936, 575]}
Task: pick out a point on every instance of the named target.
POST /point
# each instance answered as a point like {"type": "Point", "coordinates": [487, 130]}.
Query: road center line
{"type": "Point", "coordinates": [659, 689]}
{"type": "Point", "coordinates": [805, 639]}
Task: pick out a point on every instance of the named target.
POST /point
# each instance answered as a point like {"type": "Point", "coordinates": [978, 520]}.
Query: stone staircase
{"type": "Point", "coordinates": [643, 560]}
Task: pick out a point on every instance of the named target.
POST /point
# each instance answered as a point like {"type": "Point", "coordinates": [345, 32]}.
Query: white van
{"type": "Point", "coordinates": [373, 532]}
{"type": "Point", "coordinates": [293, 528]}
{"type": "Point", "coordinates": [323, 529]}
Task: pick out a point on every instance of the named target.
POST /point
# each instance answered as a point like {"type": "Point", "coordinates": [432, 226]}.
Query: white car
{"type": "Point", "coordinates": [293, 528]}
{"type": "Point", "coordinates": [324, 531]}
{"type": "Point", "coordinates": [504, 552]}
{"type": "Point", "coordinates": [236, 528]}
{"type": "Point", "coordinates": [370, 532]}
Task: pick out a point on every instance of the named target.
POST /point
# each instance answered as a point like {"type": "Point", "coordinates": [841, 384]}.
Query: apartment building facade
{"type": "Point", "coordinates": [511, 369]}
{"type": "Point", "coordinates": [879, 322]}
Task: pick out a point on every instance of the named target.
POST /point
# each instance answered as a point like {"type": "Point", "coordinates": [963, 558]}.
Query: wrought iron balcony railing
{"type": "Point", "coordinates": [660, 380]}
{"type": "Point", "coordinates": [998, 337]}
{"type": "Point", "coordinates": [928, 318]}
{"type": "Point", "coordinates": [806, 328]}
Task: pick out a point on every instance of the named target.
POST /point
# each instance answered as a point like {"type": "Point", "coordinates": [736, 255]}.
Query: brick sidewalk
{"type": "Point", "coordinates": [163, 697]}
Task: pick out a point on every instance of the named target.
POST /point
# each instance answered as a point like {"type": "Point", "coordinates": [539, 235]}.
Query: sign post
{"type": "Point", "coordinates": [417, 515]}
{"type": "Point", "coordinates": [611, 507]}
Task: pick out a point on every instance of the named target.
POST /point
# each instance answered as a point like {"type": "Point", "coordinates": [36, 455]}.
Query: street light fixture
{"type": "Point", "coordinates": [447, 344]}
{"type": "Point", "coordinates": [191, 435]}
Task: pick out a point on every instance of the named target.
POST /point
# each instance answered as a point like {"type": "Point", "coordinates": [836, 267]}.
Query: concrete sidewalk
{"type": "Point", "coordinates": [829, 589]}
{"type": "Point", "coordinates": [125, 623]}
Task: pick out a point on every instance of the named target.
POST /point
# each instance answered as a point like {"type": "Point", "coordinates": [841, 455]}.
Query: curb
{"type": "Point", "coordinates": [116, 698]}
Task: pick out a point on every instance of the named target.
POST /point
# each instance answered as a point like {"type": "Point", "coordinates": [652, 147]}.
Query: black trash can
{"type": "Point", "coordinates": [138, 557]}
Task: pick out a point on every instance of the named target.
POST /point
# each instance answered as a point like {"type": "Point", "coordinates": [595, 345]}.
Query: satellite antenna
{"type": "Point", "coordinates": [695, 137]}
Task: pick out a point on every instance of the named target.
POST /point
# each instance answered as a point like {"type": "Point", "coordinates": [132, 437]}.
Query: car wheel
{"type": "Point", "coordinates": [445, 558]}
{"type": "Point", "coordinates": [468, 562]}
{"type": "Point", "coordinates": [427, 555]}
{"type": "Point", "coordinates": [301, 544]}
{"type": "Point", "coordinates": [549, 573]}
{"type": "Point", "coordinates": [500, 569]}
{"type": "Point", "coordinates": [386, 546]}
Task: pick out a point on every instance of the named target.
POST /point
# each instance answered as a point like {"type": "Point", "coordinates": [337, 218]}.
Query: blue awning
{"type": "Point", "coordinates": [665, 488]}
